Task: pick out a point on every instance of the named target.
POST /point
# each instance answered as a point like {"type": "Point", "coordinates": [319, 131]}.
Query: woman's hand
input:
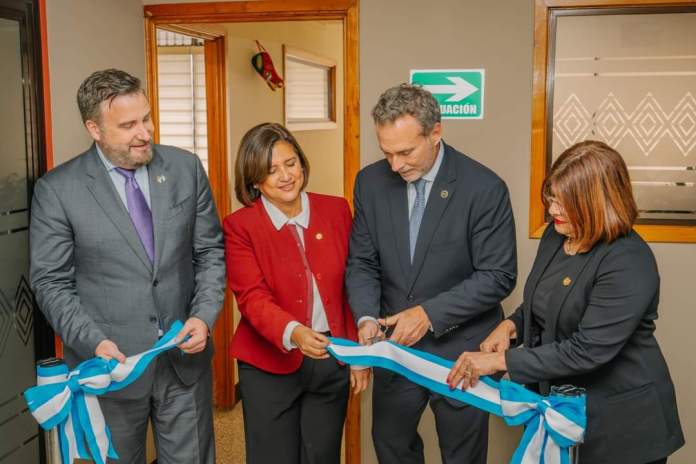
{"type": "Point", "coordinates": [498, 341]}
{"type": "Point", "coordinates": [470, 366]}
{"type": "Point", "coordinates": [359, 379]}
{"type": "Point", "coordinates": [310, 343]}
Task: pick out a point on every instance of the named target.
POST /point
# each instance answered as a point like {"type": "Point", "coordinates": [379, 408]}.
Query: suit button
{"type": "Point", "coordinates": [153, 319]}
{"type": "Point", "coordinates": [318, 276]}
{"type": "Point", "coordinates": [411, 298]}
{"type": "Point", "coordinates": [155, 283]}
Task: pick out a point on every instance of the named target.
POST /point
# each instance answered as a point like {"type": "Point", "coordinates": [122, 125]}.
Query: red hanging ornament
{"type": "Point", "coordinates": [263, 64]}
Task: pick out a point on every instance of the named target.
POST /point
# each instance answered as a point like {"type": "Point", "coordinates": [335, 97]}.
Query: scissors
{"type": "Point", "coordinates": [381, 336]}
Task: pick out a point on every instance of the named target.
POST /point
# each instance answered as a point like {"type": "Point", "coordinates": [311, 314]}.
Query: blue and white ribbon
{"type": "Point", "coordinates": [552, 424]}
{"type": "Point", "coordinates": [68, 399]}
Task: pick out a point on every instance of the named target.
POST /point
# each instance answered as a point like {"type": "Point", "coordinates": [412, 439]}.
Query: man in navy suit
{"type": "Point", "coordinates": [432, 254]}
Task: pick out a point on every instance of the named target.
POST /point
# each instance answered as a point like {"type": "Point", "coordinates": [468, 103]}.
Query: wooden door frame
{"type": "Point", "coordinates": [216, 121]}
{"type": "Point", "coordinates": [255, 11]}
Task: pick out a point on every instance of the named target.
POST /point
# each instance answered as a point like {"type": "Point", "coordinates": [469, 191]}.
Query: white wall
{"type": "Point", "coordinates": [85, 36]}
{"type": "Point", "coordinates": [252, 102]}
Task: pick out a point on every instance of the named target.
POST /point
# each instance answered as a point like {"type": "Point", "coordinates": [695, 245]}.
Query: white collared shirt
{"type": "Point", "coordinates": [120, 182]}
{"type": "Point", "coordinates": [279, 219]}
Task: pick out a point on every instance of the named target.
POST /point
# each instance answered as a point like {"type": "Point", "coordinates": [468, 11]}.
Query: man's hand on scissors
{"type": "Point", "coordinates": [369, 332]}
{"type": "Point", "coordinates": [410, 325]}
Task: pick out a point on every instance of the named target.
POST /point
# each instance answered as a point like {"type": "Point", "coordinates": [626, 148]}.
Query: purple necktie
{"type": "Point", "coordinates": [139, 211]}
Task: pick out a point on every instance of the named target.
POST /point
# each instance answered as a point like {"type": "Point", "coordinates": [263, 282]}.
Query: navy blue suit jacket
{"type": "Point", "coordinates": [465, 259]}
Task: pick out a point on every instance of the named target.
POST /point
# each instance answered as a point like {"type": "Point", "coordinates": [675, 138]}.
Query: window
{"type": "Point", "coordinates": [310, 90]}
{"type": "Point", "coordinates": [622, 73]}
{"type": "Point", "coordinates": [181, 86]}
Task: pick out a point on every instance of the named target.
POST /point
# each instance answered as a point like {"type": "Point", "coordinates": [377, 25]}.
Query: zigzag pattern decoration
{"type": "Point", "coordinates": [647, 124]}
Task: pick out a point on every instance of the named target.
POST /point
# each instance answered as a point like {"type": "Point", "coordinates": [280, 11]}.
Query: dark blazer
{"type": "Point", "coordinates": [267, 276]}
{"type": "Point", "coordinates": [599, 335]}
{"type": "Point", "coordinates": [465, 258]}
{"type": "Point", "coordinates": [90, 273]}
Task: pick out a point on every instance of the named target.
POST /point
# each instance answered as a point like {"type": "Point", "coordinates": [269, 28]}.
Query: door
{"type": "Point", "coordinates": [21, 340]}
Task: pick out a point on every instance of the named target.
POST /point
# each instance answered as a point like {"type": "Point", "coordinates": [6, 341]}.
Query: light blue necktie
{"type": "Point", "coordinates": [417, 214]}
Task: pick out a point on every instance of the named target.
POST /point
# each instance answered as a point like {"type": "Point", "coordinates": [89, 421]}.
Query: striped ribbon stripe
{"type": "Point", "coordinates": [552, 424]}
{"type": "Point", "coordinates": [67, 399]}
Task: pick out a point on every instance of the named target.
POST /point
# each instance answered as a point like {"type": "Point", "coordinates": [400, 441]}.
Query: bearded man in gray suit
{"type": "Point", "coordinates": [125, 240]}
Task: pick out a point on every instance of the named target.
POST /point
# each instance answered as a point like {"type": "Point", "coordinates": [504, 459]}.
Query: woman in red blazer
{"type": "Point", "coordinates": [286, 252]}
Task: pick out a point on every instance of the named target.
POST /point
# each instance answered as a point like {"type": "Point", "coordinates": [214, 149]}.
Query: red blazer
{"type": "Point", "coordinates": [266, 274]}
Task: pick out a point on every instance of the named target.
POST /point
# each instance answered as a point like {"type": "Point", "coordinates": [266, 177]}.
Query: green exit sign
{"type": "Point", "coordinates": [458, 91]}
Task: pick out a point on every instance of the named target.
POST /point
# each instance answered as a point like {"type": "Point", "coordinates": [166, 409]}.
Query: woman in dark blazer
{"type": "Point", "coordinates": [286, 252]}
{"type": "Point", "coordinates": [588, 316]}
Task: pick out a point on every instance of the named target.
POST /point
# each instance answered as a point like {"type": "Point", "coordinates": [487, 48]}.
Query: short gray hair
{"type": "Point", "coordinates": [102, 86]}
{"type": "Point", "coordinates": [407, 99]}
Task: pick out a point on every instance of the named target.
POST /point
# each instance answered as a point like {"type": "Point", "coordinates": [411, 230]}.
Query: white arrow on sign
{"type": "Point", "coordinates": [459, 88]}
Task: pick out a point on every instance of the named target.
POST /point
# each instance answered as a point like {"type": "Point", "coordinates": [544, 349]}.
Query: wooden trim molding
{"type": "Point", "coordinates": [46, 86]}
{"type": "Point", "coordinates": [152, 73]}
{"type": "Point", "coordinates": [247, 11]}
{"type": "Point", "coordinates": [540, 87]}
{"type": "Point", "coordinates": [191, 31]}
{"type": "Point", "coordinates": [47, 118]}
{"type": "Point", "coordinates": [351, 105]}
{"type": "Point", "coordinates": [278, 10]}
{"type": "Point", "coordinates": [216, 96]}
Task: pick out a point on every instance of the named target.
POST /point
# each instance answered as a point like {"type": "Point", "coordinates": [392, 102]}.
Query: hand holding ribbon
{"type": "Point", "coordinates": [68, 399]}
{"type": "Point", "coordinates": [552, 424]}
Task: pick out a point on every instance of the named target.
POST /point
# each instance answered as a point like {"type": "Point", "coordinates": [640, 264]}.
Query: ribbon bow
{"type": "Point", "coordinates": [552, 423]}
{"type": "Point", "coordinates": [68, 399]}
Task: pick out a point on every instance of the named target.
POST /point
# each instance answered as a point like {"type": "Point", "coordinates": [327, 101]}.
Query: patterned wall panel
{"type": "Point", "coordinates": [629, 80]}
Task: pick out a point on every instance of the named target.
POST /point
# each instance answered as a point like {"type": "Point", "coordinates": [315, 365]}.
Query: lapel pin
{"type": "Point", "coordinates": [161, 179]}
{"type": "Point", "coordinates": [566, 281]}
{"type": "Point", "coordinates": [319, 236]}
{"type": "Point", "coordinates": [444, 194]}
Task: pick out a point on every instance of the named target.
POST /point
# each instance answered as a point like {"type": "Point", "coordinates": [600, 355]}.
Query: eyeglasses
{"type": "Point", "coordinates": [549, 200]}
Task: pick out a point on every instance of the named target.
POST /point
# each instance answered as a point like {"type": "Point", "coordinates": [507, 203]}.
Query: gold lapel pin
{"type": "Point", "coordinates": [161, 179]}
{"type": "Point", "coordinates": [566, 281]}
{"type": "Point", "coordinates": [444, 194]}
{"type": "Point", "coordinates": [319, 236]}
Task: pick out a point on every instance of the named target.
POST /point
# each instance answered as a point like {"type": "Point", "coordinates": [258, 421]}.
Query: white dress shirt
{"type": "Point", "coordinates": [279, 219]}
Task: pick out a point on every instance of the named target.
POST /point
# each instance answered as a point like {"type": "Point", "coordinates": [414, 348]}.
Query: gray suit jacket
{"type": "Point", "coordinates": [465, 259]}
{"type": "Point", "coordinates": [90, 273]}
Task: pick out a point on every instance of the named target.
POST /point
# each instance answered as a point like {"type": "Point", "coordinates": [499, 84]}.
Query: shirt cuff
{"type": "Point", "coordinates": [355, 367]}
{"type": "Point", "coordinates": [287, 342]}
{"type": "Point", "coordinates": [367, 318]}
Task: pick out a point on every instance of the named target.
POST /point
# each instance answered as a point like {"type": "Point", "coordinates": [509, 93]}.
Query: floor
{"type": "Point", "coordinates": [229, 436]}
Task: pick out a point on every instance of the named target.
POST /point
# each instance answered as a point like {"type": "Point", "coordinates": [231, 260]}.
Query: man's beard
{"type": "Point", "coordinates": [123, 158]}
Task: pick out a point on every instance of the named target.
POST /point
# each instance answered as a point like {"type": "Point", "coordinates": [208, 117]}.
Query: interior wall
{"type": "Point", "coordinates": [252, 102]}
{"type": "Point", "coordinates": [85, 36]}
{"type": "Point", "coordinates": [399, 35]}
